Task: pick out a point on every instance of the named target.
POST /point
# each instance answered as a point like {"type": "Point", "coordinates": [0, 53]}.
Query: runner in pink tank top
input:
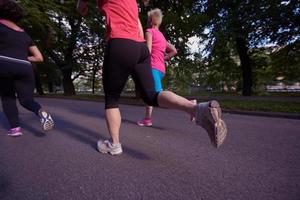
{"type": "Point", "coordinates": [158, 47]}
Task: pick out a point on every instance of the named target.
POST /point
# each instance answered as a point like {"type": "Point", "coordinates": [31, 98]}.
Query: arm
{"type": "Point", "coordinates": [82, 7]}
{"type": "Point", "coordinates": [36, 55]}
{"type": "Point", "coordinates": [171, 51]}
{"type": "Point", "coordinates": [149, 41]}
{"type": "Point", "coordinates": [141, 31]}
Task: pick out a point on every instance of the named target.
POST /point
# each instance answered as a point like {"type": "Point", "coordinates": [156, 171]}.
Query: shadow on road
{"type": "Point", "coordinates": [89, 137]}
{"type": "Point", "coordinates": [4, 185]}
{"type": "Point", "coordinates": [134, 123]}
{"type": "Point", "coordinates": [35, 132]}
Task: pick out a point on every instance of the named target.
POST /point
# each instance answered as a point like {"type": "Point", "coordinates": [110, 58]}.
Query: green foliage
{"type": "Point", "coordinates": [286, 62]}
{"type": "Point", "coordinates": [67, 40]}
{"type": "Point", "coordinates": [256, 22]}
{"type": "Point", "coordinates": [74, 44]}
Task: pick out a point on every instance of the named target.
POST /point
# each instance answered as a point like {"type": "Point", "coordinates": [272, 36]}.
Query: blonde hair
{"type": "Point", "coordinates": [155, 17]}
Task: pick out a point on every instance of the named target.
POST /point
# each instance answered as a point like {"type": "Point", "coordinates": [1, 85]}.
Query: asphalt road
{"type": "Point", "coordinates": [171, 160]}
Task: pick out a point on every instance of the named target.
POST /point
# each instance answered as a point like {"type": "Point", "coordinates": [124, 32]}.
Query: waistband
{"type": "Point", "coordinates": [14, 60]}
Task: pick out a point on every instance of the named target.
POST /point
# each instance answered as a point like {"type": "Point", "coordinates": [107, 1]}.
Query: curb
{"type": "Point", "coordinates": [264, 114]}
{"type": "Point", "coordinates": [138, 102]}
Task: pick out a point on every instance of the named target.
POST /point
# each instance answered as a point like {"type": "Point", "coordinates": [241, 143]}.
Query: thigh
{"type": "Point", "coordinates": [24, 83]}
{"type": "Point", "coordinates": [115, 73]}
{"type": "Point", "coordinates": [142, 74]}
{"type": "Point", "coordinates": [7, 88]}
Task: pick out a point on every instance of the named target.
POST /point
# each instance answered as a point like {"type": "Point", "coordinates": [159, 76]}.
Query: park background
{"type": "Point", "coordinates": [231, 49]}
{"type": "Point", "coordinates": [243, 46]}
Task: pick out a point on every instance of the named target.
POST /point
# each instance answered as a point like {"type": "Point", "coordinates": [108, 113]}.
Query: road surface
{"type": "Point", "coordinates": [171, 160]}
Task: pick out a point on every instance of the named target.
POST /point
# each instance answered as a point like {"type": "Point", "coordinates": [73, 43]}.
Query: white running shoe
{"type": "Point", "coordinates": [208, 116]}
{"type": "Point", "coordinates": [107, 147]}
{"type": "Point", "coordinates": [46, 120]}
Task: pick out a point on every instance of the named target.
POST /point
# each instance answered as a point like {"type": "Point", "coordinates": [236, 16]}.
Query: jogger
{"type": "Point", "coordinates": [16, 77]}
{"type": "Point", "coordinates": [16, 73]}
{"type": "Point", "coordinates": [124, 32]}
{"type": "Point", "coordinates": [160, 51]}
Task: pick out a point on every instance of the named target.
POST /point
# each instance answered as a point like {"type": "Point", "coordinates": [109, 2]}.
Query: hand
{"type": "Point", "coordinates": [82, 7]}
{"type": "Point", "coordinates": [146, 2]}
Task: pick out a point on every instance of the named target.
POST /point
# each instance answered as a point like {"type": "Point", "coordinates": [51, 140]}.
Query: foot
{"type": "Point", "coordinates": [145, 122]}
{"type": "Point", "coordinates": [15, 132]}
{"type": "Point", "coordinates": [46, 120]}
{"type": "Point", "coordinates": [208, 116]}
{"type": "Point", "coordinates": [107, 147]}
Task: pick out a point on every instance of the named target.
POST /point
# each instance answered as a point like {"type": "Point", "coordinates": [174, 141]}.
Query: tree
{"type": "Point", "coordinates": [286, 62]}
{"type": "Point", "coordinates": [61, 34]}
{"type": "Point", "coordinates": [248, 24]}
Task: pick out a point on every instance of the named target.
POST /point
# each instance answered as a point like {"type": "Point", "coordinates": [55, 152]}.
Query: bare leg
{"type": "Point", "coordinates": [113, 122]}
{"type": "Point", "coordinates": [167, 99]}
{"type": "Point", "coordinates": [149, 110]}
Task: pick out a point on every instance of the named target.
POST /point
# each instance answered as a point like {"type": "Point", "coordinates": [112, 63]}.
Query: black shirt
{"type": "Point", "coordinates": [13, 43]}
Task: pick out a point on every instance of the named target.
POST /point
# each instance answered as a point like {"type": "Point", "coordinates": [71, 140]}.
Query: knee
{"type": "Point", "coordinates": [150, 98]}
{"type": "Point", "coordinates": [24, 102]}
{"type": "Point", "coordinates": [111, 101]}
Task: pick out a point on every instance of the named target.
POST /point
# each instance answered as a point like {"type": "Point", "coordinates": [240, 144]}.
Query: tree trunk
{"type": "Point", "coordinates": [38, 85]}
{"type": "Point", "coordinates": [68, 85]}
{"type": "Point", "coordinates": [246, 65]}
{"type": "Point", "coordinates": [93, 81]}
{"type": "Point", "coordinates": [50, 86]}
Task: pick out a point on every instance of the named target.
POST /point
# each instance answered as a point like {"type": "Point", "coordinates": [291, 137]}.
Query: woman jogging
{"type": "Point", "coordinates": [158, 47]}
{"type": "Point", "coordinates": [16, 73]}
{"type": "Point", "coordinates": [127, 54]}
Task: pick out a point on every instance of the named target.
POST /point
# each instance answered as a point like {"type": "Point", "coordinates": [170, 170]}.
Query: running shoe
{"type": "Point", "coordinates": [15, 132]}
{"type": "Point", "coordinates": [145, 122]}
{"type": "Point", "coordinates": [208, 116]}
{"type": "Point", "coordinates": [107, 147]}
{"type": "Point", "coordinates": [46, 120]}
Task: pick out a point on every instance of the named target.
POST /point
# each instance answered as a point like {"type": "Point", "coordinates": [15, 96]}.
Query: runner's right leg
{"type": "Point", "coordinates": [9, 106]}
{"type": "Point", "coordinates": [207, 115]}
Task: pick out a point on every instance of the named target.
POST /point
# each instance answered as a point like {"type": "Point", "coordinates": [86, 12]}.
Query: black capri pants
{"type": "Point", "coordinates": [124, 57]}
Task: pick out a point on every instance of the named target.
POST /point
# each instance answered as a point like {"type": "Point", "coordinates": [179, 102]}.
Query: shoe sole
{"type": "Point", "coordinates": [193, 118]}
{"type": "Point", "coordinates": [15, 135]}
{"type": "Point", "coordinates": [108, 152]}
{"type": "Point", "coordinates": [144, 125]}
{"type": "Point", "coordinates": [211, 121]}
{"type": "Point", "coordinates": [48, 123]}
{"type": "Point", "coordinates": [220, 128]}
{"type": "Point", "coordinates": [112, 154]}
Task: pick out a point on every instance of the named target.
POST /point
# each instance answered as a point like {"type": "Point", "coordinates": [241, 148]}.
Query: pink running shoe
{"type": "Point", "coordinates": [15, 132]}
{"type": "Point", "coordinates": [145, 122]}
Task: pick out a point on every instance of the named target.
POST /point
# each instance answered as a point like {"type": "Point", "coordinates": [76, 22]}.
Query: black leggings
{"type": "Point", "coordinates": [16, 77]}
{"type": "Point", "coordinates": [122, 58]}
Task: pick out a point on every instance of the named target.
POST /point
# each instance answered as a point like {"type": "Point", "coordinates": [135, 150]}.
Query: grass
{"type": "Point", "coordinates": [234, 103]}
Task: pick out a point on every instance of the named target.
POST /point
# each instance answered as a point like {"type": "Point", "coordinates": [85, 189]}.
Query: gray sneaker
{"type": "Point", "coordinates": [107, 147]}
{"type": "Point", "coordinates": [208, 116]}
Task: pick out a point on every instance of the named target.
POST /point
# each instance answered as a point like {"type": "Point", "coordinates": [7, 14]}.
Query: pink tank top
{"type": "Point", "coordinates": [159, 46]}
